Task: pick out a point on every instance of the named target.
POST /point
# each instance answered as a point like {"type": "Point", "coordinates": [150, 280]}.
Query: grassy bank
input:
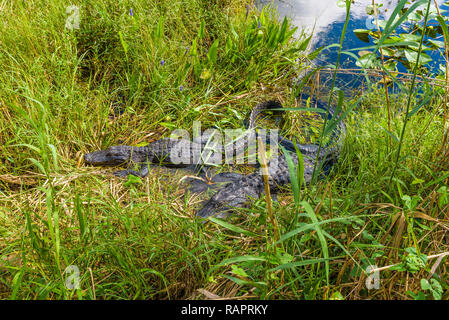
{"type": "Point", "coordinates": [133, 72]}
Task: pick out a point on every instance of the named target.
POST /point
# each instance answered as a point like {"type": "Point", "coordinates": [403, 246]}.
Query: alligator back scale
{"type": "Point", "coordinates": [241, 188]}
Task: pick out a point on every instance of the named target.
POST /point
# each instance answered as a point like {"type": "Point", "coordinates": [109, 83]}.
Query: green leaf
{"type": "Point", "coordinates": [193, 48]}
{"type": "Point", "coordinates": [412, 57]}
{"type": "Point", "coordinates": [444, 28]}
{"type": "Point", "coordinates": [283, 30]}
{"type": "Point", "coordinates": [241, 282]}
{"type": "Point", "coordinates": [168, 125]}
{"type": "Point", "coordinates": [213, 52]}
{"type": "Point", "coordinates": [16, 282]}
{"type": "Point", "coordinates": [444, 196]}
{"type": "Point", "coordinates": [262, 17]}
{"type": "Point", "coordinates": [388, 52]}
{"type": "Point", "coordinates": [304, 45]}
{"type": "Point", "coordinates": [229, 44]}
{"type": "Point", "coordinates": [123, 42]}
{"type": "Point", "coordinates": [418, 181]}
{"type": "Point", "coordinates": [425, 285]}
{"type": "Point", "coordinates": [437, 44]}
{"type": "Point", "coordinates": [272, 36]}
{"type": "Point", "coordinates": [419, 296]}
{"type": "Point", "coordinates": [289, 35]}
{"type": "Point", "coordinates": [246, 258]}
{"type": "Point", "coordinates": [293, 174]}
{"type": "Point", "coordinates": [285, 258]}
{"type": "Point", "coordinates": [55, 155]}
{"type": "Point", "coordinates": [142, 144]}
{"type": "Point", "coordinates": [239, 271]}
{"type": "Point", "coordinates": [397, 18]}
{"type": "Point", "coordinates": [39, 165]}
{"type": "Point", "coordinates": [202, 30]}
{"type": "Point", "coordinates": [320, 234]}
{"type": "Point", "coordinates": [232, 227]}
{"type": "Point", "coordinates": [28, 146]}
{"type": "Point", "coordinates": [300, 168]}
{"type": "Point", "coordinates": [362, 34]}
{"type": "Point", "coordinates": [131, 180]}
{"type": "Point", "coordinates": [411, 37]}
{"type": "Point", "coordinates": [160, 27]}
{"type": "Point", "coordinates": [336, 296]}
{"type": "Point", "coordinates": [367, 61]}
{"type": "Point", "coordinates": [296, 264]}
{"type": "Point", "coordinates": [436, 289]}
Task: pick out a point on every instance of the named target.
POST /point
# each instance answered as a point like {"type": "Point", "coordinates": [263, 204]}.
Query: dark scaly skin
{"type": "Point", "coordinates": [159, 152]}
{"type": "Point", "coordinates": [168, 151]}
{"type": "Point", "coordinates": [242, 188]}
{"type": "Point", "coordinates": [237, 193]}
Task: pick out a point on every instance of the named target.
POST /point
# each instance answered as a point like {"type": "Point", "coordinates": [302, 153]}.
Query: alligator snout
{"type": "Point", "coordinates": [102, 158]}
{"type": "Point", "coordinates": [95, 158]}
{"type": "Point", "coordinates": [114, 155]}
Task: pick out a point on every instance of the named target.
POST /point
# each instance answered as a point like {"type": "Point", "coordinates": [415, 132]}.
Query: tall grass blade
{"type": "Point", "coordinates": [320, 235]}
{"type": "Point", "coordinates": [409, 100]}
{"type": "Point", "coordinates": [232, 227]}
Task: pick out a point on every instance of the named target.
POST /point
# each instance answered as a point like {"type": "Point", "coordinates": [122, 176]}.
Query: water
{"type": "Point", "coordinates": [326, 19]}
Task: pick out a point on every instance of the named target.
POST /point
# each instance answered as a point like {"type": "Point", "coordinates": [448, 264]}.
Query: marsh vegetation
{"type": "Point", "coordinates": [136, 70]}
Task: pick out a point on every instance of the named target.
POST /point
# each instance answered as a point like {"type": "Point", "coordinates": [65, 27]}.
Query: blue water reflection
{"type": "Point", "coordinates": [326, 19]}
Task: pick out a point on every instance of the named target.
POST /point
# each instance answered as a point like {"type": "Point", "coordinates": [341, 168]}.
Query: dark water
{"type": "Point", "coordinates": [326, 19]}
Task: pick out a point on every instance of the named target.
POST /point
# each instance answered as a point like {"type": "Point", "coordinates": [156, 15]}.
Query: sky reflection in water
{"type": "Point", "coordinates": [326, 19]}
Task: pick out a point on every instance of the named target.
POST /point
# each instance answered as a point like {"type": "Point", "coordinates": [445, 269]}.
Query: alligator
{"type": "Point", "coordinates": [183, 153]}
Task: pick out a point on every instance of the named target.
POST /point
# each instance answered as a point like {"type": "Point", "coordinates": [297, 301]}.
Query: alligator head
{"type": "Point", "coordinates": [112, 156]}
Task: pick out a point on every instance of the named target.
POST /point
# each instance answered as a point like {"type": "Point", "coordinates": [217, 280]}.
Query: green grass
{"type": "Point", "coordinates": [141, 241]}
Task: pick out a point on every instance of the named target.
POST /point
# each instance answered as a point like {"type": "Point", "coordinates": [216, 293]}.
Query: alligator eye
{"type": "Point", "coordinates": [112, 155]}
{"type": "Point", "coordinates": [112, 151]}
